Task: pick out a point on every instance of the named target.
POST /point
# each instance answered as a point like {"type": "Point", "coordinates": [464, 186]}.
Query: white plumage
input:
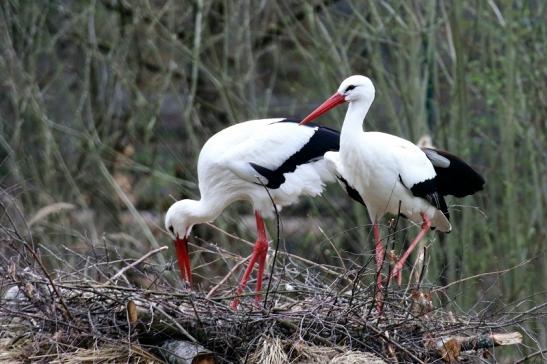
{"type": "Point", "coordinates": [238, 163]}
{"type": "Point", "coordinates": [392, 175]}
{"type": "Point", "coordinates": [390, 165]}
{"type": "Point", "coordinates": [226, 175]}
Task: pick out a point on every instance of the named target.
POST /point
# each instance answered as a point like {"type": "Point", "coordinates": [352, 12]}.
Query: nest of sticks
{"type": "Point", "coordinates": [311, 313]}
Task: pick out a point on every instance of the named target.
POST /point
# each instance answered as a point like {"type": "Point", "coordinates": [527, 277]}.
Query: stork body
{"type": "Point", "coordinates": [236, 163]}
{"type": "Point", "coordinates": [258, 161]}
{"type": "Point", "coordinates": [392, 175]}
{"type": "Point", "coordinates": [392, 168]}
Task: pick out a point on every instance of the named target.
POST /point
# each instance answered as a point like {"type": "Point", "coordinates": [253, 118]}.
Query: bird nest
{"type": "Point", "coordinates": [310, 313]}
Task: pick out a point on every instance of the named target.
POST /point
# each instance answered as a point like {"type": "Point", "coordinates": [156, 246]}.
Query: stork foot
{"type": "Point", "coordinates": [379, 299]}
{"type": "Point", "coordinates": [396, 272]}
{"type": "Point", "coordinates": [379, 296]}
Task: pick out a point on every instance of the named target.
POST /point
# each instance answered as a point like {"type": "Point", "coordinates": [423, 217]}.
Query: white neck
{"type": "Point", "coordinates": [204, 211]}
{"type": "Point", "coordinates": [353, 122]}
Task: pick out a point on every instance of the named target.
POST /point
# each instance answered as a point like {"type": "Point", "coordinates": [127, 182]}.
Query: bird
{"type": "Point", "coordinates": [261, 161]}
{"type": "Point", "coordinates": [389, 174]}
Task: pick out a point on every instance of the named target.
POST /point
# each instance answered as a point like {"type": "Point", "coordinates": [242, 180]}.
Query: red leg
{"type": "Point", "coordinates": [244, 280]}
{"type": "Point", "coordinates": [399, 266]}
{"type": "Point", "coordinates": [259, 253]}
{"type": "Point", "coordinates": [261, 266]}
{"type": "Point", "coordinates": [380, 254]}
{"type": "Point", "coordinates": [261, 248]}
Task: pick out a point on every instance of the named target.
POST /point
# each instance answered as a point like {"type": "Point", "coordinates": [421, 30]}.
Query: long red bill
{"type": "Point", "coordinates": [181, 246]}
{"type": "Point", "coordinates": [331, 102]}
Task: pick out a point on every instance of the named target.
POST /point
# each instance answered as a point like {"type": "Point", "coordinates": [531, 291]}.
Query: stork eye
{"type": "Point", "coordinates": [171, 229]}
{"type": "Point", "coordinates": [350, 87]}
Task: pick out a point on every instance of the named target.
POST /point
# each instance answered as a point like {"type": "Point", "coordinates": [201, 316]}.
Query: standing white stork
{"type": "Point", "coordinates": [392, 175]}
{"type": "Point", "coordinates": [239, 163]}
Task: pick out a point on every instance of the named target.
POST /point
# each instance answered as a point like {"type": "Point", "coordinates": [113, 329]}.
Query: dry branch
{"type": "Point", "coordinates": [135, 263]}
{"type": "Point", "coordinates": [175, 316]}
{"type": "Point", "coordinates": [314, 312]}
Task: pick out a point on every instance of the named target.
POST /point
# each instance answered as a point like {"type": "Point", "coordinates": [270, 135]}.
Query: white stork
{"type": "Point", "coordinates": [389, 174]}
{"type": "Point", "coordinates": [239, 163]}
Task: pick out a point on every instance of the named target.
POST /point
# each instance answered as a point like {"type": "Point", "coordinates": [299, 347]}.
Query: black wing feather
{"type": "Point", "coordinates": [323, 140]}
{"type": "Point", "coordinates": [455, 178]}
{"type": "Point", "coordinates": [429, 190]}
{"type": "Point", "coordinates": [352, 192]}
{"type": "Point", "coordinates": [458, 179]}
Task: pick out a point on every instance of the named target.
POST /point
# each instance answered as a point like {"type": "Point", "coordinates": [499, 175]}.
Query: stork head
{"type": "Point", "coordinates": [355, 88]}
{"type": "Point", "coordinates": [179, 222]}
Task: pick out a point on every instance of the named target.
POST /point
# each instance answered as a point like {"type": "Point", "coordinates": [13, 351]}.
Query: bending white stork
{"type": "Point", "coordinates": [239, 163]}
{"type": "Point", "coordinates": [389, 174]}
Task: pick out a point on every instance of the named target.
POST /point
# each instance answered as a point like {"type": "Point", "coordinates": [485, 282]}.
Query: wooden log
{"type": "Point", "coordinates": [184, 352]}
{"type": "Point", "coordinates": [449, 348]}
{"type": "Point", "coordinates": [489, 341]}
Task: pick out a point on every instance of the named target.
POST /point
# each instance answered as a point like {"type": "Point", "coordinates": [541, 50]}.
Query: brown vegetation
{"type": "Point", "coordinates": [312, 314]}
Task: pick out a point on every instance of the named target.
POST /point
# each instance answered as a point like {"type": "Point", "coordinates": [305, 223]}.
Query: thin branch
{"type": "Point", "coordinates": [277, 239]}
{"type": "Point", "coordinates": [223, 280]}
{"type": "Point", "coordinates": [482, 275]}
{"type": "Point", "coordinates": [135, 263]}
{"type": "Point", "coordinates": [530, 356]}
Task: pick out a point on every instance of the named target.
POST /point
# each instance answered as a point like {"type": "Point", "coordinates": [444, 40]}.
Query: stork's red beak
{"type": "Point", "coordinates": [181, 246]}
{"type": "Point", "coordinates": [330, 103]}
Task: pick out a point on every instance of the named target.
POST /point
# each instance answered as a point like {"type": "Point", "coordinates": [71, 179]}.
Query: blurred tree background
{"type": "Point", "coordinates": [104, 106]}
